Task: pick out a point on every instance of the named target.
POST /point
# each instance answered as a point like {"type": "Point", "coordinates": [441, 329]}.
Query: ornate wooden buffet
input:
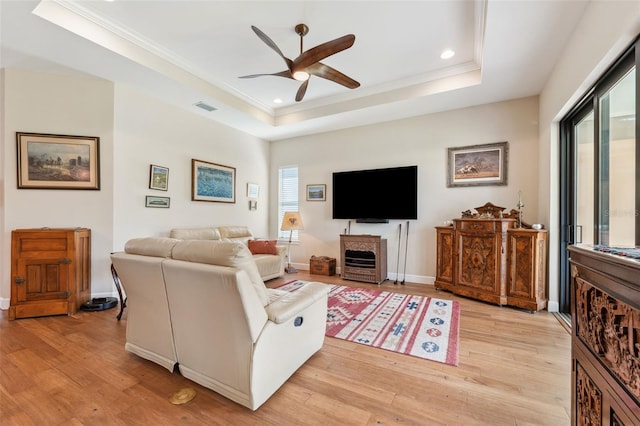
{"type": "Point", "coordinates": [605, 340]}
{"type": "Point", "coordinates": [488, 257]}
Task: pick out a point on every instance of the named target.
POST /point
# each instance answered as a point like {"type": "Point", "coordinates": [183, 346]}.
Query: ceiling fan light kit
{"type": "Point", "coordinates": [308, 62]}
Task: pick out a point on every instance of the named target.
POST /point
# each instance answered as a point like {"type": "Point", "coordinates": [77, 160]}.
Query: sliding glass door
{"type": "Point", "coordinates": [600, 167]}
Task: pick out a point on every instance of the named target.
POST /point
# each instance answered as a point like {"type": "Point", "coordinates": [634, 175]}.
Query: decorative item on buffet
{"type": "Point", "coordinates": [491, 211]}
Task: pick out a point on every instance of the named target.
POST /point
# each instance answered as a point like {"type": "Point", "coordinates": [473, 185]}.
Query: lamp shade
{"type": "Point", "coordinates": [292, 221]}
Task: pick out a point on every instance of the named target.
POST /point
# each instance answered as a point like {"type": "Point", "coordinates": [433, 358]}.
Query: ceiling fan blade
{"type": "Point", "coordinates": [301, 91]}
{"type": "Point", "coordinates": [265, 38]}
{"type": "Point", "coordinates": [325, 71]}
{"type": "Point", "coordinates": [286, 74]}
{"type": "Point", "coordinates": [321, 51]}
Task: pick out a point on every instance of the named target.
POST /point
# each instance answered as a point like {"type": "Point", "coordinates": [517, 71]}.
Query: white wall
{"type": "Point", "coordinates": [149, 132]}
{"type": "Point", "coordinates": [421, 141]}
{"type": "Point", "coordinates": [47, 103]}
{"type": "Point", "coordinates": [592, 48]}
{"type": "Point", "coordinates": [135, 131]}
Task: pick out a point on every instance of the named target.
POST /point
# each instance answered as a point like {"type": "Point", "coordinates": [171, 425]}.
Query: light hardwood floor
{"type": "Point", "coordinates": [514, 369]}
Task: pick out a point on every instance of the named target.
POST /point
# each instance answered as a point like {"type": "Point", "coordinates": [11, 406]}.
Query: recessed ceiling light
{"type": "Point", "coordinates": [447, 54]}
{"type": "Point", "coordinates": [277, 101]}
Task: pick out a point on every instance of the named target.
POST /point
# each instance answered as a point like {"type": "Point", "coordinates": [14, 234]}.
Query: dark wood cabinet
{"type": "Point", "coordinates": [50, 271]}
{"type": "Point", "coordinates": [364, 258]}
{"type": "Point", "coordinates": [492, 260]}
{"type": "Point", "coordinates": [605, 338]}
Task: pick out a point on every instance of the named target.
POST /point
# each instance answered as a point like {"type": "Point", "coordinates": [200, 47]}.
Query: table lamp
{"type": "Point", "coordinates": [290, 222]}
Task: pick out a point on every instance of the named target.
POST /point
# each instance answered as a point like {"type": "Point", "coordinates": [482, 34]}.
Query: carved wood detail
{"type": "Point", "coordinates": [370, 246]}
{"type": "Point", "coordinates": [478, 261]}
{"type": "Point", "coordinates": [588, 399]}
{"type": "Point", "coordinates": [611, 330]}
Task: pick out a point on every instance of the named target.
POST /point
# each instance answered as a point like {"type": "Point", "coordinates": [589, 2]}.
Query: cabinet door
{"type": "Point", "coordinates": [444, 258]}
{"type": "Point", "coordinates": [41, 287]}
{"type": "Point", "coordinates": [526, 276]}
{"type": "Point", "coordinates": [479, 262]}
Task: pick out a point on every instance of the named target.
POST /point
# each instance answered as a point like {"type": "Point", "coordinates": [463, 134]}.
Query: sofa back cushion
{"type": "Point", "coordinates": [151, 246]}
{"type": "Point", "coordinates": [195, 233]}
{"type": "Point", "coordinates": [263, 246]}
{"type": "Point", "coordinates": [236, 233]}
{"type": "Point", "coordinates": [223, 253]}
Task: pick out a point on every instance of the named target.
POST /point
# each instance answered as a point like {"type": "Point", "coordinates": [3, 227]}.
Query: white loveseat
{"type": "Point", "coordinates": [269, 265]}
{"type": "Point", "coordinates": [202, 305]}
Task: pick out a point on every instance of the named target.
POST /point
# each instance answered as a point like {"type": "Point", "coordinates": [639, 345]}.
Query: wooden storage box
{"type": "Point", "coordinates": [322, 265]}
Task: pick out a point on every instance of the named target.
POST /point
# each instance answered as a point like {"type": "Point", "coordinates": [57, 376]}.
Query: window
{"type": "Point", "coordinates": [287, 197]}
{"type": "Point", "coordinates": [600, 166]}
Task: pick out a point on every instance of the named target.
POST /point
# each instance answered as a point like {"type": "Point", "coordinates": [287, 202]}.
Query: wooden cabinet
{"type": "Point", "coordinates": [364, 258]}
{"type": "Point", "coordinates": [492, 260]}
{"type": "Point", "coordinates": [605, 338]}
{"type": "Point", "coordinates": [50, 271]}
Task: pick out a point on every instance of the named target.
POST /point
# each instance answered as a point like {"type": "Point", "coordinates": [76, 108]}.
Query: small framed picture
{"type": "Point", "coordinates": [253, 205]}
{"type": "Point", "coordinates": [253, 190]}
{"type": "Point", "coordinates": [157, 202]}
{"type": "Point", "coordinates": [158, 177]}
{"type": "Point", "coordinates": [316, 192]}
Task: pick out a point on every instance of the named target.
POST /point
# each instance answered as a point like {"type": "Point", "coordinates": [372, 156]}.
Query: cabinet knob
{"type": "Point", "coordinates": [19, 280]}
{"type": "Point", "coordinates": [65, 261]}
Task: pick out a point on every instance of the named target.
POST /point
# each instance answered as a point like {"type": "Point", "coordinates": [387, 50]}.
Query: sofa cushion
{"type": "Point", "coordinates": [151, 246]}
{"type": "Point", "coordinates": [263, 246]}
{"type": "Point", "coordinates": [235, 232]}
{"type": "Point", "coordinates": [195, 234]}
{"type": "Point", "coordinates": [223, 253]}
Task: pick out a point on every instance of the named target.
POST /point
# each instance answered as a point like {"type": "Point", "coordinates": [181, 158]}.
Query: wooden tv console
{"type": "Point", "coordinates": [364, 258]}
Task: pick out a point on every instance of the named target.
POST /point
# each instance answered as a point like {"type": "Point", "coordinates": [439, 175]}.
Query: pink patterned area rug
{"type": "Point", "coordinates": [420, 326]}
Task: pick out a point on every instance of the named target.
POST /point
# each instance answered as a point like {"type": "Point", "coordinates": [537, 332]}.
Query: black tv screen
{"type": "Point", "coordinates": [376, 195]}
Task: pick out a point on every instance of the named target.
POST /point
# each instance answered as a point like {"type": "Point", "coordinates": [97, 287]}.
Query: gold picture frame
{"type": "Point", "coordinates": [317, 192]}
{"type": "Point", "coordinates": [47, 161]}
{"type": "Point", "coordinates": [212, 182]}
{"type": "Point", "coordinates": [478, 165]}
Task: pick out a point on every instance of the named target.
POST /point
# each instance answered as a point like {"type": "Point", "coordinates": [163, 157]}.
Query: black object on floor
{"type": "Point", "coordinates": [99, 304]}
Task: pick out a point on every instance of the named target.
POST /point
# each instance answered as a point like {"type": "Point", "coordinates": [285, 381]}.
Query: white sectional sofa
{"type": "Point", "coordinates": [202, 305]}
{"type": "Point", "coordinates": [270, 265]}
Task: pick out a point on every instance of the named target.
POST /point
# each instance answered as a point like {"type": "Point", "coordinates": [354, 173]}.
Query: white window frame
{"type": "Point", "coordinates": [288, 198]}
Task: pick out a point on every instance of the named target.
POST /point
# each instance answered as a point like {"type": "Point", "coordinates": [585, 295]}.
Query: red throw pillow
{"type": "Point", "coordinates": [263, 246]}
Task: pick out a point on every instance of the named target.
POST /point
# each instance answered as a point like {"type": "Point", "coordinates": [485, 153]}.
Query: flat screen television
{"type": "Point", "coordinates": [376, 195]}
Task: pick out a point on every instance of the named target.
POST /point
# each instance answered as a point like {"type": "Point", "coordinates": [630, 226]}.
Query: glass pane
{"type": "Point", "coordinates": [584, 180]}
{"type": "Point", "coordinates": [287, 198]}
{"type": "Point", "coordinates": [617, 164]}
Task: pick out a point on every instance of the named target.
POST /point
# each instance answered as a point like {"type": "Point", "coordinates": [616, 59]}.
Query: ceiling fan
{"type": "Point", "coordinates": [308, 63]}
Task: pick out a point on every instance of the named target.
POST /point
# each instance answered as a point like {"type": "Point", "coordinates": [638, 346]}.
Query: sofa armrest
{"type": "Point", "coordinates": [291, 304]}
{"type": "Point", "coordinates": [282, 250]}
